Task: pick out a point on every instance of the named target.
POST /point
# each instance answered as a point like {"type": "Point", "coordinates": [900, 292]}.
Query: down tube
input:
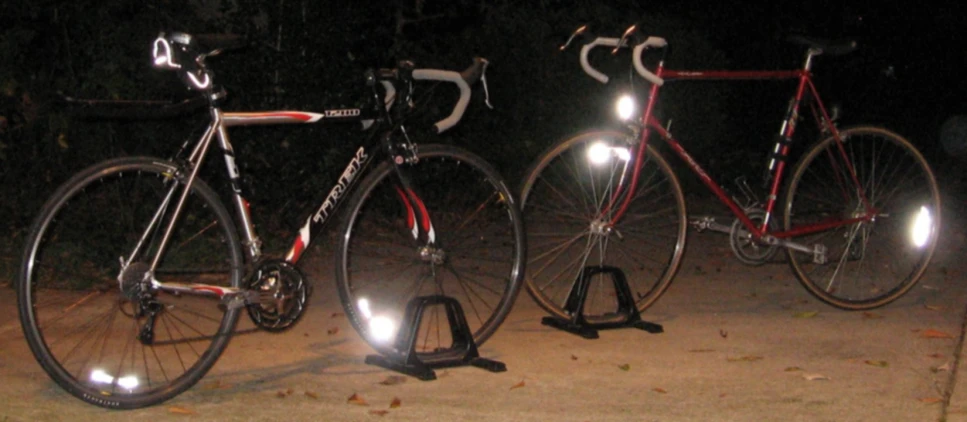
{"type": "Point", "coordinates": [347, 180]}
{"type": "Point", "coordinates": [706, 179]}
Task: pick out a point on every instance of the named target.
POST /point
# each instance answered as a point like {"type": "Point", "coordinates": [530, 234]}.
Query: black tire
{"type": "Point", "coordinates": [563, 199]}
{"type": "Point", "coordinates": [869, 264]}
{"type": "Point", "coordinates": [79, 322]}
{"type": "Point", "coordinates": [478, 259]}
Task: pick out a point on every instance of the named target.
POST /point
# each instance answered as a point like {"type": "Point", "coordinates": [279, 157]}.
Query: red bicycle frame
{"type": "Point", "coordinates": [823, 120]}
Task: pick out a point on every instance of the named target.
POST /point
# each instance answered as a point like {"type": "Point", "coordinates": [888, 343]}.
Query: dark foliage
{"type": "Point", "coordinates": [311, 54]}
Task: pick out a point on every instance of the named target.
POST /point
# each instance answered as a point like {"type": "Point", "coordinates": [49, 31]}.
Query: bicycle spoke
{"type": "Point", "coordinates": [873, 262]}
{"type": "Point", "coordinates": [646, 242]}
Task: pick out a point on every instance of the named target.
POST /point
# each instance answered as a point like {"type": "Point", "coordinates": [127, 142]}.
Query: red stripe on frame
{"type": "Point", "coordinates": [410, 218]}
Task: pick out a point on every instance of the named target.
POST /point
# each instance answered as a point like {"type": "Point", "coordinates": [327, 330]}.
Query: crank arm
{"type": "Point", "coordinates": [818, 250]}
{"type": "Point", "coordinates": [709, 223]}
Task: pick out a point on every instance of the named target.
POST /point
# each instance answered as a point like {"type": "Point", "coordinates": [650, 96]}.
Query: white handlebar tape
{"type": "Point", "coordinates": [591, 71]}
{"type": "Point", "coordinates": [452, 77]}
{"type": "Point", "coordinates": [651, 42]}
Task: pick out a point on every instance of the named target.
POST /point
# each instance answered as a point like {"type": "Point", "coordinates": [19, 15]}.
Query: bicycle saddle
{"type": "Point", "coordinates": [831, 47]}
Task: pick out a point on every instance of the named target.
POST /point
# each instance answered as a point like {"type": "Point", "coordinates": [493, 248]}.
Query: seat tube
{"type": "Point", "coordinates": [241, 205]}
{"type": "Point", "coordinates": [780, 152]}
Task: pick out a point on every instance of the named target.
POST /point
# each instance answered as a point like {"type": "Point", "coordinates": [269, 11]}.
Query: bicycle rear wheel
{"type": "Point", "coordinates": [869, 264]}
{"type": "Point", "coordinates": [476, 257]}
{"type": "Point", "coordinates": [113, 343]}
{"type": "Point", "coordinates": [565, 202]}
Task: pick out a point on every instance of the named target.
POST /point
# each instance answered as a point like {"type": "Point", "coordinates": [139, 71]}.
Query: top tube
{"type": "Point", "coordinates": [186, 54]}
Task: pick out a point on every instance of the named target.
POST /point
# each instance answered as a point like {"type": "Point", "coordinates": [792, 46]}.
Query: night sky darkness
{"type": "Point", "coordinates": [909, 67]}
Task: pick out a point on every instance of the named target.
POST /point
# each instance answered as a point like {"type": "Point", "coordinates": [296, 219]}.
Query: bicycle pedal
{"type": "Point", "coordinates": [819, 254]}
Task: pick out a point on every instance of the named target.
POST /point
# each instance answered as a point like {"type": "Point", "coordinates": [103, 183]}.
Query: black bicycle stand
{"type": "Point", "coordinates": [462, 352]}
{"type": "Point", "coordinates": [626, 316]}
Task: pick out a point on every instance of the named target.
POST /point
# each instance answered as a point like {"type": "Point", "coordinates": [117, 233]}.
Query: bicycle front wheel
{"type": "Point", "coordinates": [569, 200]}
{"type": "Point", "coordinates": [459, 234]}
{"type": "Point", "coordinates": [103, 334]}
{"type": "Point", "coordinates": [868, 263]}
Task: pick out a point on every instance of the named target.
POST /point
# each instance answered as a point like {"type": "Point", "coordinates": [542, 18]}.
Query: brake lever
{"type": "Point", "coordinates": [483, 80]}
{"type": "Point", "coordinates": [577, 32]}
{"type": "Point", "coordinates": [624, 38]}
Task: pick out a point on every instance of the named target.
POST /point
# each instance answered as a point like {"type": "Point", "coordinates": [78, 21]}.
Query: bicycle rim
{"type": "Point", "coordinates": [565, 202]}
{"type": "Point", "coordinates": [869, 264]}
{"type": "Point", "coordinates": [92, 333]}
{"type": "Point", "coordinates": [476, 258]}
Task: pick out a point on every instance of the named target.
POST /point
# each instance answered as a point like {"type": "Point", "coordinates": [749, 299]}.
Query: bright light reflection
{"type": "Point", "coordinates": [625, 107]}
{"type": "Point", "coordinates": [129, 382]}
{"type": "Point", "coordinates": [99, 376]}
{"type": "Point", "coordinates": [622, 153]}
{"type": "Point", "coordinates": [599, 153]}
{"type": "Point", "coordinates": [922, 227]}
{"type": "Point", "coordinates": [382, 328]}
{"type": "Point", "coordinates": [364, 308]}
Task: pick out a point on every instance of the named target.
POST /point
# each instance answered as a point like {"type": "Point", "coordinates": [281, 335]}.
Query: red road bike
{"type": "Point", "coordinates": [858, 214]}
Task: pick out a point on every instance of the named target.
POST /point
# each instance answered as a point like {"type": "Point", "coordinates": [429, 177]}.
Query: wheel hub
{"type": "Point", "coordinates": [433, 255]}
{"type": "Point", "coordinates": [601, 228]}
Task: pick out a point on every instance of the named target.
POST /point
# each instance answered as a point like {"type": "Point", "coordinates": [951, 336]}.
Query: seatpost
{"type": "Point", "coordinates": [812, 52]}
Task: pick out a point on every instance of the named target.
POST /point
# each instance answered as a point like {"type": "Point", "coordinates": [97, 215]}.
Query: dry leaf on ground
{"type": "Point", "coordinates": [930, 333]}
{"type": "Point", "coordinates": [871, 315]}
{"type": "Point", "coordinates": [180, 410]}
{"type": "Point", "coordinates": [659, 390]}
{"type": "Point", "coordinates": [747, 358]}
{"type": "Point", "coordinates": [312, 395]}
{"type": "Point", "coordinates": [792, 369]}
{"type": "Point", "coordinates": [518, 385]}
{"type": "Point", "coordinates": [333, 330]}
{"type": "Point", "coordinates": [337, 314]}
{"type": "Point", "coordinates": [378, 412]}
{"type": "Point", "coordinates": [393, 380]}
{"type": "Point", "coordinates": [357, 400]}
{"type": "Point", "coordinates": [806, 314]}
{"type": "Point", "coordinates": [723, 333]}
{"type": "Point", "coordinates": [217, 385]}
{"type": "Point", "coordinates": [624, 367]}
{"type": "Point", "coordinates": [930, 400]}
{"type": "Point", "coordinates": [395, 403]}
{"type": "Point", "coordinates": [815, 377]}
{"type": "Point", "coordinates": [933, 307]}
{"type": "Point", "coordinates": [877, 363]}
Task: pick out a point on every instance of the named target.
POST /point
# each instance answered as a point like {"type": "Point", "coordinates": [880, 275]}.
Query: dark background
{"type": "Point", "coordinates": [310, 54]}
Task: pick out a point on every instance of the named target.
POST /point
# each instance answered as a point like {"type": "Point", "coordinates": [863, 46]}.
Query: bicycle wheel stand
{"type": "Point", "coordinates": [462, 352]}
{"type": "Point", "coordinates": [626, 316]}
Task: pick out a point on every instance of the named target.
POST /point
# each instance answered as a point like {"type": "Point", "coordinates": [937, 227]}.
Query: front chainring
{"type": "Point", "coordinates": [747, 251]}
{"type": "Point", "coordinates": [283, 294]}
